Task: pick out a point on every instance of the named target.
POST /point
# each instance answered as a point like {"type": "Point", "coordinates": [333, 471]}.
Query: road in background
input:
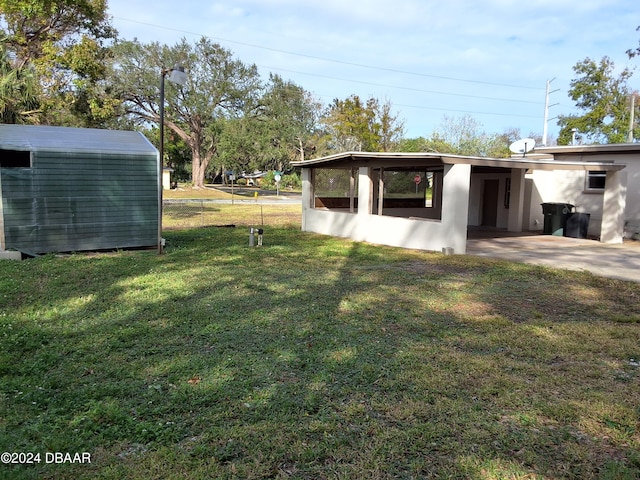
{"type": "Point", "coordinates": [248, 195]}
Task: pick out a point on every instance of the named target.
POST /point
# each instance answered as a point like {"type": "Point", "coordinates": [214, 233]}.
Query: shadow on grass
{"type": "Point", "coordinates": [315, 357]}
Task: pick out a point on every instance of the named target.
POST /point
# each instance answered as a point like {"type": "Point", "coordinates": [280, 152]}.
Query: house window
{"type": "Point", "coordinates": [595, 181]}
{"type": "Point", "coordinates": [15, 159]}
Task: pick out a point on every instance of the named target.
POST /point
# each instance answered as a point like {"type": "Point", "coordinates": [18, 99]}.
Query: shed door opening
{"type": "Point", "coordinates": [15, 159]}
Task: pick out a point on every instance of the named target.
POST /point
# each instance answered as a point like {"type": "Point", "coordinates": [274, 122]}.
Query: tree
{"type": "Point", "coordinates": [178, 152]}
{"type": "Point", "coordinates": [465, 136]}
{"type": "Point", "coordinates": [62, 43]}
{"type": "Point", "coordinates": [219, 89]}
{"type": "Point", "coordinates": [354, 125]}
{"type": "Point", "coordinates": [421, 144]}
{"type": "Point", "coordinates": [290, 116]}
{"type": "Point", "coordinates": [391, 127]}
{"type": "Point", "coordinates": [280, 129]}
{"type": "Point", "coordinates": [603, 99]}
{"type": "Point", "coordinates": [19, 101]}
{"type": "Point", "coordinates": [239, 145]}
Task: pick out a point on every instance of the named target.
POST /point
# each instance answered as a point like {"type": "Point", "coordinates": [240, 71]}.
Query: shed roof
{"type": "Point", "coordinates": [404, 159]}
{"type": "Point", "coordinates": [35, 138]}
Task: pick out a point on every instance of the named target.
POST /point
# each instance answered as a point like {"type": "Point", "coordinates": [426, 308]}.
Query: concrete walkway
{"type": "Point", "coordinates": [612, 261]}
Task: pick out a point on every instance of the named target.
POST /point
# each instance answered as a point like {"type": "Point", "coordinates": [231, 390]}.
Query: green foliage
{"type": "Point", "coordinates": [240, 145]}
{"type": "Point", "coordinates": [421, 144]}
{"type": "Point", "coordinates": [361, 126]}
{"type": "Point", "coordinates": [289, 118]}
{"type": "Point", "coordinates": [281, 128]}
{"type": "Point", "coordinates": [604, 100]}
{"type": "Point", "coordinates": [19, 102]}
{"type": "Point", "coordinates": [178, 155]}
{"type": "Point", "coordinates": [402, 184]}
{"type": "Point", "coordinates": [61, 44]}
{"type": "Point", "coordinates": [290, 181]}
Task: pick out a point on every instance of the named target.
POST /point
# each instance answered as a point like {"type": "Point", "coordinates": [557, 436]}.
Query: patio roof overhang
{"type": "Point", "coordinates": [607, 148]}
{"type": "Point", "coordinates": [429, 159]}
{"type": "Point", "coordinates": [373, 159]}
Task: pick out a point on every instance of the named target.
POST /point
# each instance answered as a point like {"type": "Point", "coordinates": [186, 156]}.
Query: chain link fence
{"type": "Point", "coordinates": [187, 213]}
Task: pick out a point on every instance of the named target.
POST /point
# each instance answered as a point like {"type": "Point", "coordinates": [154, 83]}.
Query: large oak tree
{"type": "Point", "coordinates": [219, 89]}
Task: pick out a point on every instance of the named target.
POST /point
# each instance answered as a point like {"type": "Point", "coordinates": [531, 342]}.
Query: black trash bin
{"type": "Point", "coordinates": [577, 225]}
{"type": "Point", "coordinates": [556, 215]}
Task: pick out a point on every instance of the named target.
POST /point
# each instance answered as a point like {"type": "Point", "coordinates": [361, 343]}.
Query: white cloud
{"type": "Point", "coordinates": [224, 10]}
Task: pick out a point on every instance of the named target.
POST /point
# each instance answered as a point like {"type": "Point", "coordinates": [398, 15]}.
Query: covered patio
{"type": "Point", "coordinates": [427, 201]}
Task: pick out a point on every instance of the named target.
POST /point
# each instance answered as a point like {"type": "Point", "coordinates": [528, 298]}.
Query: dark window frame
{"type": "Point", "coordinates": [15, 158]}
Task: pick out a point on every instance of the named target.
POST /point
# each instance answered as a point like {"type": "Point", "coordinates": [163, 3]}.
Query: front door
{"type": "Point", "coordinates": [490, 203]}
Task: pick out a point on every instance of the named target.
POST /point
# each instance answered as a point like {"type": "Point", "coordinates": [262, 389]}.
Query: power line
{"type": "Point", "coordinates": [341, 62]}
{"type": "Point", "coordinates": [466, 111]}
{"type": "Point", "coordinates": [362, 82]}
{"type": "Point", "coordinates": [419, 107]}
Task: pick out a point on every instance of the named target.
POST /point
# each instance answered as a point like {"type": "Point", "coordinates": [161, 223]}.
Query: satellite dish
{"type": "Point", "coordinates": [523, 146]}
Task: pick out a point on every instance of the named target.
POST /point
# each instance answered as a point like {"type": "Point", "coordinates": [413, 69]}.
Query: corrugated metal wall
{"type": "Point", "coordinates": [81, 201]}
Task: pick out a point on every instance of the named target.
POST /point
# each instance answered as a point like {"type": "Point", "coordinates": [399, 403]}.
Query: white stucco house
{"type": "Point", "coordinates": [586, 189]}
{"type": "Point", "coordinates": [428, 201]}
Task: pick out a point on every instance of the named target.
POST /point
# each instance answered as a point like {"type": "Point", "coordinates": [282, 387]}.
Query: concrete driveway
{"type": "Point", "coordinates": [613, 261]}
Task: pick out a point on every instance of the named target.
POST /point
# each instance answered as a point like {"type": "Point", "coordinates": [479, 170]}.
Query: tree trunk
{"type": "Point", "coordinates": [199, 164]}
{"type": "Point", "coordinates": [197, 172]}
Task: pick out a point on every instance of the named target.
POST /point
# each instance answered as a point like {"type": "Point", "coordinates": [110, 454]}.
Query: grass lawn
{"type": "Point", "coordinates": [249, 214]}
{"type": "Point", "coordinates": [194, 210]}
{"type": "Point", "coordinates": [314, 357]}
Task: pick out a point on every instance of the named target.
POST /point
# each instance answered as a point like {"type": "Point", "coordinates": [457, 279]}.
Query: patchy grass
{"type": "Point", "coordinates": [315, 357]}
{"type": "Point", "coordinates": [201, 214]}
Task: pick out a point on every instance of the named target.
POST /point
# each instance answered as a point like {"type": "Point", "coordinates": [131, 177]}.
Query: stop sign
{"type": "Point", "coordinates": [417, 179]}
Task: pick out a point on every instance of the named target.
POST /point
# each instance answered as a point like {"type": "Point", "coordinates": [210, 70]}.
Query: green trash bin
{"type": "Point", "coordinates": [556, 215]}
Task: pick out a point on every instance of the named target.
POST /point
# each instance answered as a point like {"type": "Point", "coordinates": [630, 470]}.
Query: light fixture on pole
{"type": "Point", "coordinates": [177, 76]}
{"type": "Point", "coordinates": [574, 135]}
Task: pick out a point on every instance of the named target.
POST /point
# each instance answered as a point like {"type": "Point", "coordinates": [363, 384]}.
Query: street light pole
{"type": "Point", "coordinates": [176, 75]}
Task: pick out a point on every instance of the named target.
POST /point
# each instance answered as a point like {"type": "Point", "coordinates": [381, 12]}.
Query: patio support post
{"type": "Point", "coordinates": [381, 191]}
{"type": "Point", "coordinates": [516, 200]}
{"type": "Point", "coordinates": [613, 206]}
{"type": "Point", "coordinates": [308, 195]}
{"type": "Point", "coordinates": [455, 206]}
{"type": "Point", "coordinates": [352, 190]}
{"type": "Point", "coordinates": [365, 191]}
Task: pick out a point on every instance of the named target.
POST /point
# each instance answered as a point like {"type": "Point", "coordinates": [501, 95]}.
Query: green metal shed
{"type": "Point", "coordinates": [72, 189]}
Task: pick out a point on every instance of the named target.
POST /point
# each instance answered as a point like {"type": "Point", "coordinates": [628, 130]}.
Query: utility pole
{"type": "Point", "coordinates": [631, 119]}
{"type": "Point", "coordinates": [545, 127]}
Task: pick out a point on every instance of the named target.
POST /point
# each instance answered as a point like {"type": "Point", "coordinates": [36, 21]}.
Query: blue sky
{"type": "Point", "coordinates": [489, 59]}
